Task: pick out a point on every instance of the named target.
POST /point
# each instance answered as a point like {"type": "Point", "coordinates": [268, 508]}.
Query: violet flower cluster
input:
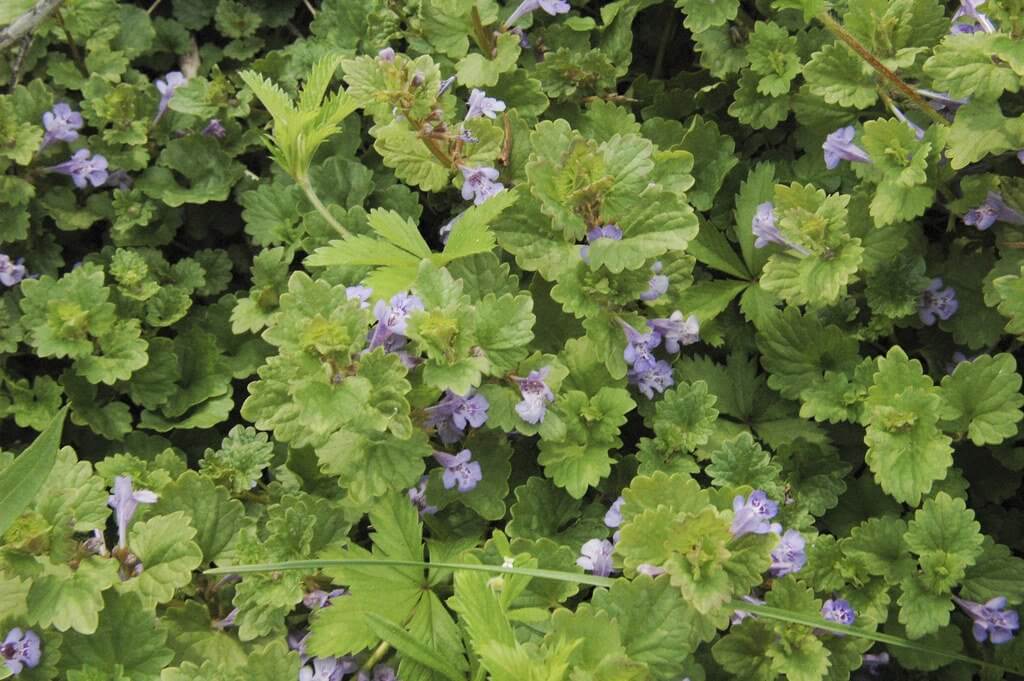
{"type": "Point", "coordinates": [993, 210]}
{"type": "Point", "coordinates": [552, 7]}
{"type": "Point", "coordinates": [84, 169]}
{"type": "Point", "coordinates": [125, 500]}
{"type": "Point", "coordinates": [20, 649]}
{"type": "Point", "coordinates": [647, 373]}
{"type": "Point", "coordinates": [392, 321]}
{"type": "Point", "coordinates": [460, 470]}
{"type": "Point", "coordinates": [839, 146]}
{"type": "Point", "coordinates": [536, 395]}
{"type": "Point", "coordinates": [11, 272]}
{"type": "Point", "coordinates": [61, 124]}
{"type": "Point", "coordinates": [766, 232]}
{"type": "Point", "coordinates": [839, 611]}
{"type": "Point", "coordinates": [166, 87]}
{"type": "Point", "coordinates": [454, 413]}
{"type": "Point", "coordinates": [936, 303]}
{"type": "Point", "coordinates": [596, 557]}
{"type": "Point", "coordinates": [418, 497]}
{"type": "Point", "coordinates": [992, 621]}
{"type": "Point", "coordinates": [752, 515]}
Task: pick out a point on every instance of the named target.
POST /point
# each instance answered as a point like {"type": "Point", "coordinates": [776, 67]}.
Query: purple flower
{"type": "Point", "coordinates": [652, 378]}
{"type": "Point", "coordinates": [649, 570]}
{"type": "Point", "coordinates": [676, 331]}
{"type": "Point", "coordinates": [61, 123]}
{"type": "Point", "coordinates": [381, 672]}
{"type": "Point", "coordinates": [83, 169]}
{"type": "Point", "coordinates": [480, 183]}
{"type": "Point", "coordinates": [596, 556]}
{"type": "Point", "coordinates": [740, 615]}
{"type": "Point", "coordinates": [918, 132]}
{"type": "Point", "coordinates": [166, 87]}
{"type": "Point", "coordinates": [536, 394]}
{"type": "Point", "coordinates": [524, 41]}
{"type": "Point", "coordinates": [765, 231]}
{"type": "Point", "coordinates": [639, 352]}
{"type": "Point", "coordinates": [788, 556]}
{"type": "Point", "coordinates": [935, 303]}
{"type": "Point", "coordinates": [96, 544]}
{"type": "Point", "coordinates": [386, 55]}
{"type": "Point", "coordinates": [839, 611]}
{"type": "Point", "coordinates": [1020, 155]}
{"type": "Point", "coordinates": [839, 146]}
{"type": "Point", "coordinates": [969, 8]}
{"type": "Point", "coordinates": [454, 412]}
{"type": "Point", "coordinates": [992, 621]}
{"type": "Point", "coordinates": [228, 621]}
{"type": "Point", "coordinates": [124, 501]}
{"type": "Point", "coordinates": [957, 358]}
{"type": "Point", "coordinates": [657, 286]}
{"type": "Point", "coordinates": [11, 272]}
{"type": "Point", "coordinates": [873, 664]}
{"type": "Point", "coordinates": [446, 85]}
{"type": "Point", "coordinates": [552, 7]}
{"type": "Point", "coordinates": [482, 105]}
{"type": "Point", "coordinates": [318, 598]}
{"type": "Point", "coordinates": [215, 129]}
{"type": "Point", "coordinates": [941, 100]}
{"type": "Point", "coordinates": [392, 320]}
{"type": "Point", "coordinates": [459, 470]}
{"type": "Point", "coordinates": [360, 293]}
{"type": "Point", "coordinates": [418, 496]}
{"type": "Point", "coordinates": [992, 211]}
{"type": "Point", "coordinates": [468, 137]}
{"type": "Point", "coordinates": [595, 233]}
{"type": "Point", "coordinates": [120, 179]}
{"type": "Point", "coordinates": [751, 515]}
{"type": "Point", "coordinates": [328, 669]}
{"type": "Point", "coordinates": [20, 649]}
{"type": "Point", "coordinates": [297, 640]}
{"type": "Point", "coordinates": [613, 518]}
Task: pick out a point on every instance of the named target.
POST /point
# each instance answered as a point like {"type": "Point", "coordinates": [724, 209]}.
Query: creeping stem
{"type": "Point", "coordinates": [307, 187]}
{"type": "Point", "coordinates": [837, 29]}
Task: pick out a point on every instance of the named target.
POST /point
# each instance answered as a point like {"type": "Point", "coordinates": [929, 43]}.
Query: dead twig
{"type": "Point", "coordinates": [27, 22]}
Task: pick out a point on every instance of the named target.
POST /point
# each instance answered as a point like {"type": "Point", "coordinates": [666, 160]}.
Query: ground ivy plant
{"type": "Point", "coordinates": [482, 339]}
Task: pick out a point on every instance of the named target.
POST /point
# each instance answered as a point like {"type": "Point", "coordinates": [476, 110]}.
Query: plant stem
{"type": "Point", "coordinates": [666, 37]}
{"type": "Point", "coordinates": [377, 655]}
{"type": "Point", "coordinates": [321, 208]}
{"type": "Point", "coordinates": [837, 29]}
{"type": "Point", "coordinates": [483, 38]}
{"type": "Point", "coordinates": [76, 56]}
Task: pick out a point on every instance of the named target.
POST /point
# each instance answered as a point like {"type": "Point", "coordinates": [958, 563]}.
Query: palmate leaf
{"type": "Point", "coordinates": [986, 395]}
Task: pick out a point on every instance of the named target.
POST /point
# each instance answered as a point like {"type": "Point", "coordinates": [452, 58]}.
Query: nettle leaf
{"type": "Point", "coordinates": [579, 460]}
{"type": "Point", "coordinates": [797, 350]}
{"type": "Point", "coordinates": [741, 461]}
{"type": "Point", "coordinates": [165, 547]}
{"type": "Point", "coordinates": [906, 450]}
{"type": "Point", "coordinates": [979, 129]}
{"type": "Point", "coordinates": [342, 628]}
{"type": "Point", "coordinates": [985, 394]}
{"type": "Point", "coordinates": [475, 70]}
{"type": "Point", "coordinates": [658, 627]}
{"type": "Point", "coordinates": [703, 14]}
{"type": "Point", "coordinates": [216, 517]}
{"type": "Point", "coordinates": [542, 510]}
{"type": "Point", "coordinates": [410, 158]}
{"type": "Point", "coordinates": [946, 539]}
{"type": "Point", "coordinates": [962, 65]}
{"type": "Point", "coordinates": [240, 461]}
{"type": "Point", "coordinates": [129, 637]}
{"type": "Point", "coordinates": [773, 55]}
{"type": "Point", "coordinates": [839, 76]}
{"type": "Point", "coordinates": [685, 416]}
{"type": "Point", "coordinates": [71, 599]}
